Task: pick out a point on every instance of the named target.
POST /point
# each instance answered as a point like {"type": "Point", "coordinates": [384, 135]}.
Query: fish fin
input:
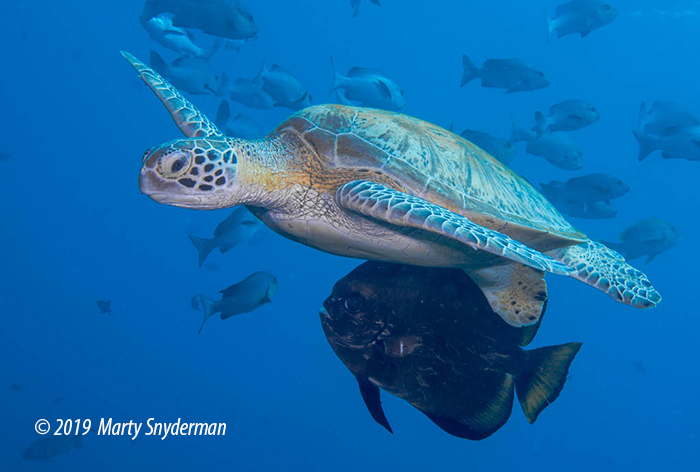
{"type": "Point", "coordinates": [371, 395]}
{"type": "Point", "coordinates": [640, 119]}
{"type": "Point", "coordinates": [517, 293]}
{"type": "Point", "coordinates": [651, 258]}
{"type": "Point", "coordinates": [471, 72]}
{"type": "Point", "coordinates": [519, 133]}
{"type": "Point", "coordinates": [551, 28]}
{"type": "Point", "coordinates": [225, 249]}
{"type": "Point", "coordinates": [224, 113]}
{"type": "Point", "coordinates": [484, 409]}
{"type": "Point", "coordinates": [376, 2]}
{"type": "Point", "coordinates": [336, 77]}
{"type": "Point", "coordinates": [384, 89]}
{"type": "Point", "coordinates": [647, 144]}
{"type": "Point", "coordinates": [529, 332]}
{"type": "Point", "coordinates": [541, 125]}
{"type": "Point", "coordinates": [158, 63]}
{"type": "Point", "coordinates": [605, 269]}
{"type": "Point", "coordinates": [377, 202]}
{"type": "Point", "coordinates": [543, 378]}
{"type": "Point", "coordinates": [209, 307]}
{"type": "Point", "coordinates": [585, 33]}
{"type": "Point", "coordinates": [204, 247]}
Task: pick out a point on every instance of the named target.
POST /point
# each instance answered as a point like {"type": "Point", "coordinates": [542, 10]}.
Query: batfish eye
{"type": "Point", "coordinates": [354, 304]}
{"type": "Point", "coordinates": [174, 164]}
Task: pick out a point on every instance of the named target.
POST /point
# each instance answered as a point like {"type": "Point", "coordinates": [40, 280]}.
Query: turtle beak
{"type": "Point", "coordinates": [164, 191]}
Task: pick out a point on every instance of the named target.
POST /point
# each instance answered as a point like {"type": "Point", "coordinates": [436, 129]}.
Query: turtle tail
{"type": "Point", "coordinates": [605, 269]}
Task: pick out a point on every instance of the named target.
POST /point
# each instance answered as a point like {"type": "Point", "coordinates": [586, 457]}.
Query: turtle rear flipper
{"type": "Point", "coordinates": [605, 269]}
{"type": "Point", "coordinates": [188, 119]}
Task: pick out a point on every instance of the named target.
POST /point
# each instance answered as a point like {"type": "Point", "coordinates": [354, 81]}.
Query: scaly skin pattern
{"type": "Point", "coordinates": [376, 201]}
{"type": "Point", "coordinates": [191, 121]}
{"type": "Point", "coordinates": [605, 269]}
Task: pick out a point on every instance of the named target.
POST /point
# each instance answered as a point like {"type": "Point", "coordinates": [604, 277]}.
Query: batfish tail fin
{"type": "Point", "coordinates": [543, 378]}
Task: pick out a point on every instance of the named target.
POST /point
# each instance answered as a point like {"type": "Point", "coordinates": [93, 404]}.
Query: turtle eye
{"type": "Point", "coordinates": [174, 164]}
{"type": "Point", "coordinates": [354, 304]}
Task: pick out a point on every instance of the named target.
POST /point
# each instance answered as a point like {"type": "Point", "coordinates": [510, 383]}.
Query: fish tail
{"type": "Point", "coordinates": [209, 307]}
{"type": "Point", "coordinates": [158, 63]}
{"type": "Point", "coordinates": [541, 124]}
{"type": "Point", "coordinates": [519, 133]}
{"type": "Point", "coordinates": [337, 78]}
{"type": "Point", "coordinates": [642, 114]}
{"type": "Point", "coordinates": [543, 378]}
{"type": "Point", "coordinates": [647, 144]}
{"type": "Point", "coordinates": [222, 116]}
{"type": "Point", "coordinates": [551, 27]}
{"type": "Point", "coordinates": [471, 72]}
{"type": "Point", "coordinates": [204, 247]}
{"type": "Point", "coordinates": [216, 45]}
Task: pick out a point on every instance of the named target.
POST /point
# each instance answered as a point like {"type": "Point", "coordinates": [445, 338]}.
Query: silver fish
{"type": "Point", "coordinates": [589, 211]}
{"type": "Point", "coordinates": [48, 447]}
{"type": "Point", "coordinates": [248, 92]}
{"type": "Point", "coordinates": [180, 40]}
{"type": "Point", "coordinates": [355, 4]}
{"type": "Point", "coordinates": [229, 19]}
{"type": "Point", "coordinates": [191, 74]}
{"type": "Point", "coordinates": [662, 116]}
{"type": "Point", "coordinates": [558, 148]}
{"type": "Point", "coordinates": [649, 237]}
{"type": "Point", "coordinates": [682, 142]}
{"type": "Point", "coordinates": [240, 126]}
{"type": "Point", "coordinates": [514, 75]}
{"type": "Point", "coordinates": [285, 88]}
{"type": "Point", "coordinates": [579, 17]}
{"type": "Point", "coordinates": [239, 227]}
{"type": "Point", "coordinates": [499, 148]}
{"type": "Point", "coordinates": [586, 189]}
{"type": "Point", "coordinates": [368, 88]}
{"type": "Point", "coordinates": [255, 290]}
{"type": "Point", "coordinates": [569, 115]}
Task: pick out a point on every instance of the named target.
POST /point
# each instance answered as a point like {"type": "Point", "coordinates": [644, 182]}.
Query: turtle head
{"type": "Point", "coordinates": [197, 173]}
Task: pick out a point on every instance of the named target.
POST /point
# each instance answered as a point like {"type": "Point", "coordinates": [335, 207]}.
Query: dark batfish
{"type": "Point", "coordinates": [105, 307]}
{"type": "Point", "coordinates": [255, 290]}
{"type": "Point", "coordinates": [229, 19]}
{"type": "Point", "coordinates": [46, 448]}
{"type": "Point", "coordinates": [428, 336]}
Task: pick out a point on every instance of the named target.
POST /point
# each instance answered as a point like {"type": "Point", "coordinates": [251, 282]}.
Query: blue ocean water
{"type": "Point", "coordinates": [75, 229]}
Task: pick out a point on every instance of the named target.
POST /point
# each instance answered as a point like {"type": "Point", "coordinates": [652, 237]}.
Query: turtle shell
{"type": "Point", "coordinates": [434, 164]}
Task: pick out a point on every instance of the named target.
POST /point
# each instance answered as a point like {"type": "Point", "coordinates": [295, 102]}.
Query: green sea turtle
{"type": "Point", "coordinates": [379, 185]}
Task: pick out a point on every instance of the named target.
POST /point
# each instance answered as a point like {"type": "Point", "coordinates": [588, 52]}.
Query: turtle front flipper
{"type": "Point", "coordinates": [397, 208]}
{"type": "Point", "coordinates": [605, 269]}
{"type": "Point", "coordinates": [191, 121]}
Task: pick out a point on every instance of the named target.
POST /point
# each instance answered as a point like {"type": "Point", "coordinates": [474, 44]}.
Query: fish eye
{"type": "Point", "coordinates": [354, 304]}
{"type": "Point", "coordinates": [173, 164]}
